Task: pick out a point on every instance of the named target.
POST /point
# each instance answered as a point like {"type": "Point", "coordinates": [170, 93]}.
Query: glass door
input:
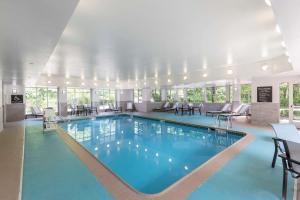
{"type": "Point", "coordinates": [295, 106]}
{"type": "Point", "coordinates": [284, 102]}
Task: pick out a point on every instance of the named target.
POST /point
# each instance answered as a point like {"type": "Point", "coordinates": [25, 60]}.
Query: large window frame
{"type": "Point", "coordinates": [104, 97]}
{"type": "Point", "coordinates": [195, 95]}
{"type": "Point", "coordinates": [171, 95]}
{"type": "Point", "coordinates": [79, 96]}
{"type": "Point", "coordinates": [246, 93]}
{"type": "Point", "coordinates": [220, 94]}
{"type": "Point", "coordinates": [42, 97]}
{"type": "Point", "coordinates": [137, 96]}
{"type": "Point", "coordinates": [156, 95]}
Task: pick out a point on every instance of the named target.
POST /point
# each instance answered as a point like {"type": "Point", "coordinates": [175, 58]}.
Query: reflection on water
{"type": "Point", "coordinates": [156, 152]}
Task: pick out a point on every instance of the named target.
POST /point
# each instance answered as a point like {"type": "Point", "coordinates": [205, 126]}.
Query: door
{"type": "Point", "coordinates": [295, 105]}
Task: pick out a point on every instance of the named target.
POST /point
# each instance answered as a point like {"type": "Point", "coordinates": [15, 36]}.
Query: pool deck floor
{"type": "Point", "coordinates": [52, 171]}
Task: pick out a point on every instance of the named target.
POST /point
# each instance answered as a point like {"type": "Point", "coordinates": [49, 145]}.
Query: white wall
{"type": "Point", "coordinates": [271, 81]}
{"type": "Point", "coordinates": [1, 107]}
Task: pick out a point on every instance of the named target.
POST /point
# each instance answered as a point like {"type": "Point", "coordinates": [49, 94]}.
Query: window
{"type": "Point", "coordinates": [220, 94]}
{"type": "Point", "coordinates": [210, 94]}
{"type": "Point", "coordinates": [78, 96]}
{"type": "Point", "coordinates": [230, 93]}
{"type": "Point", "coordinates": [138, 97]}
{"type": "Point", "coordinates": [284, 100]}
{"type": "Point", "coordinates": [156, 97]}
{"type": "Point", "coordinates": [105, 96]}
{"type": "Point", "coordinates": [171, 93]}
{"type": "Point", "coordinates": [180, 94]}
{"type": "Point", "coordinates": [42, 97]}
{"type": "Point", "coordinates": [246, 93]}
{"type": "Point", "coordinates": [195, 95]}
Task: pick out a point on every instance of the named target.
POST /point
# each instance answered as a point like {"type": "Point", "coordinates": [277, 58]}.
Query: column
{"type": "Point", "coordinates": [62, 101]}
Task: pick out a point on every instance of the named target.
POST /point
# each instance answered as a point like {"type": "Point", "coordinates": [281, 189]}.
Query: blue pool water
{"type": "Point", "coordinates": [149, 155]}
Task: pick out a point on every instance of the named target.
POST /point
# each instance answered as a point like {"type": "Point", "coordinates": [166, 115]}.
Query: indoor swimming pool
{"type": "Point", "coordinates": [149, 155]}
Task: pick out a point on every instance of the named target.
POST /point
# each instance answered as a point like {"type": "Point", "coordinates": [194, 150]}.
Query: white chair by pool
{"type": "Point", "coordinates": [129, 106]}
{"type": "Point", "coordinates": [283, 131]}
{"type": "Point", "coordinates": [49, 119]}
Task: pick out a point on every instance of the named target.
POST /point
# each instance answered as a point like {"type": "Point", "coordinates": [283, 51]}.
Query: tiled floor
{"type": "Point", "coordinates": [53, 171]}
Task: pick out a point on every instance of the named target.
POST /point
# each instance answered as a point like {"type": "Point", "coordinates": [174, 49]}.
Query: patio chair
{"type": "Point", "coordinates": [225, 109]}
{"type": "Point", "coordinates": [81, 110]}
{"type": "Point", "coordinates": [290, 163]}
{"type": "Point", "coordinates": [283, 131]}
{"type": "Point", "coordinates": [36, 112]}
{"type": "Point", "coordinates": [112, 108]}
{"type": "Point", "coordinates": [242, 110]}
{"type": "Point", "coordinates": [163, 108]}
{"type": "Point", "coordinates": [129, 106]}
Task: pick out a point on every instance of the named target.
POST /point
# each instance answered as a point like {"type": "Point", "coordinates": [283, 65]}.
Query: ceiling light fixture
{"type": "Point", "coordinates": [156, 82]}
{"type": "Point", "coordinates": [204, 75]}
{"type": "Point", "coordinates": [185, 77]}
{"type": "Point", "coordinates": [185, 70]}
{"type": "Point", "coordinates": [169, 80]}
{"type": "Point", "coordinates": [289, 60]}
{"type": "Point", "coordinates": [49, 81]}
{"type": "Point", "coordinates": [283, 44]}
{"type": "Point", "coordinates": [278, 28]}
{"type": "Point", "coordinates": [67, 82]}
{"type": "Point", "coordinates": [95, 84]}
{"type": "Point", "coordinates": [268, 2]}
{"type": "Point", "coordinates": [107, 84]}
{"type": "Point", "coordinates": [82, 83]}
{"type": "Point", "coordinates": [287, 53]}
{"type": "Point", "coordinates": [229, 71]}
{"type": "Point", "coordinates": [265, 67]}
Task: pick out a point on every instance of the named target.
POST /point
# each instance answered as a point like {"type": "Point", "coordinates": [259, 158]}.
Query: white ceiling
{"type": "Point", "coordinates": [142, 39]}
{"type": "Point", "coordinates": [287, 15]}
{"type": "Point", "coordinates": [29, 32]}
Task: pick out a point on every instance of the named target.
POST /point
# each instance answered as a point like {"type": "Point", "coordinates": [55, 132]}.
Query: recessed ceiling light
{"type": "Point", "coordinates": [67, 82]}
{"type": "Point", "coordinates": [278, 28]}
{"type": "Point", "coordinates": [169, 80]}
{"type": "Point", "coordinates": [289, 60]}
{"type": "Point", "coordinates": [204, 75]}
{"type": "Point", "coordinates": [49, 75]}
{"type": "Point", "coordinates": [229, 71]}
{"type": "Point", "coordinates": [268, 2]}
{"type": "Point", "coordinates": [95, 84]}
{"type": "Point", "coordinates": [82, 83]}
{"type": "Point", "coordinates": [185, 77]}
{"type": "Point", "coordinates": [265, 67]}
{"type": "Point", "coordinates": [283, 44]}
{"type": "Point", "coordinates": [156, 75]}
{"type": "Point", "coordinates": [95, 78]}
{"type": "Point", "coordinates": [156, 82]}
{"type": "Point", "coordinates": [49, 81]}
{"type": "Point", "coordinates": [145, 83]}
{"type": "Point", "coordinates": [107, 84]}
{"type": "Point", "coordinates": [287, 53]}
{"type": "Point", "coordinates": [185, 70]}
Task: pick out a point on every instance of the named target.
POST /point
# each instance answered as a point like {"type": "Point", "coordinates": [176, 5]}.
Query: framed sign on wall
{"type": "Point", "coordinates": [264, 94]}
{"type": "Point", "coordinates": [16, 98]}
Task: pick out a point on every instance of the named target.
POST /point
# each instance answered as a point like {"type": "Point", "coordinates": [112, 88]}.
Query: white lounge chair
{"type": "Point", "coordinates": [36, 112]}
{"type": "Point", "coordinates": [129, 106]}
{"type": "Point", "coordinates": [225, 109]}
{"type": "Point", "coordinates": [283, 131]}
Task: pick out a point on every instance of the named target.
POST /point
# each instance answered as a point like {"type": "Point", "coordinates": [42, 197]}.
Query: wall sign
{"type": "Point", "coordinates": [16, 98]}
{"type": "Point", "coordinates": [264, 94]}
